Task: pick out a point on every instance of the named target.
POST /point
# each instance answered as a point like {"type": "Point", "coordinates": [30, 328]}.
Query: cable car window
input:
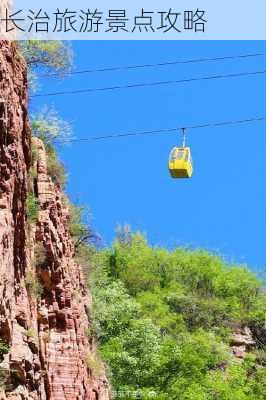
{"type": "Point", "coordinates": [173, 155]}
{"type": "Point", "coordinates": [180, 154]}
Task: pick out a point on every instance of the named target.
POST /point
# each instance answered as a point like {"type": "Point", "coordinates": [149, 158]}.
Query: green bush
{"type": "Point", "coordinates": [48, 126]}
{"type": "Point", "coordinates": [4, 348]}
{"type": "Point", "coordinates": [32, 208]}
{"type": "Point", "coordinates": [53, 57]}
{"type": "Point", "coordinates": [40, 255]}
{"type": "Point", "coordinates": [80, 231]}
{"type": "Point", "coordinates": [33, 285]}
{"type": "Point", "coordinates": [94, 364]}
{"type": "Point", "coordinates": [30, 333]}
{"type": "Point", "coordinates": [76, 226]}
{"type": "Point", "coordinates": [113, 310]}
{"type": "Point", "coordinates": [32, 174]}
{"type": "Point", "coordinates": [4, 375]}
{"type": "Point", "coordinates": [47, 54]}
{"type": "Point", "coordinates": [34, 154]}
{"type": "Point", "coordinates": [55, 168]}
{"type": "Point", "coordinates": [84, 257]}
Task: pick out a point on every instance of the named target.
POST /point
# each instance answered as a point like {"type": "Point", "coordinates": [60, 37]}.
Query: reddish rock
{"type": "Point", "coordinates": [242, 341]}
{"type": "Point", "coordinates": [47, 334]}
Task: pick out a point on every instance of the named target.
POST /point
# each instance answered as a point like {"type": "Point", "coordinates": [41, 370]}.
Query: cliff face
{"type": "Point", "coordinates": [5, 5]}
{"type": "Point", "coordinates": [44, 305]}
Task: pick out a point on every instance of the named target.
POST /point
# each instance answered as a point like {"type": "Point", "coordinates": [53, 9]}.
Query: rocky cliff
{"type": "Point", "coordinates": [44, 305]}
{"type": "Point", "coordinates": [5, 5]}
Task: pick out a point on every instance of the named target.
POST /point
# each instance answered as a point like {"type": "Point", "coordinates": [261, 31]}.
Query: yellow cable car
{"type": "Point", "coordinates": [180, 162]}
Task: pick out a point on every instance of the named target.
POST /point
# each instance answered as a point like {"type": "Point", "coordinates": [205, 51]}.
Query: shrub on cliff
{"type": "Point", "coordinates": [55, 169]}
{"type": "Point", "coordinates": [80, 228]}
{"type": "Point", "coordinates": [4, 348]}
{"type": "Point", "coordinates": [48, 54]}
{"type": "Point", "coordinates": [40, 255]}
{"type": "Point", "coordinates": [94, 364]}
{"type": "Point", "coordinates": [4, 373]}
{"type": "Point", "coordinates": [32, 208]}
{"type": "Point", "coordinates": [49, 126]}
{"type": "Point", "coordinates": [33, 285]}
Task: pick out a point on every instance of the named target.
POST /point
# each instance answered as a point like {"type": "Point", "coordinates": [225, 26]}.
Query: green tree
{"type": "Point", "coordinates": [47, 54]}
{"type": "Point", "coordinates": [114, 309]}
{"type": "Point", "coordinates": [50, 56]}
{"type": "Point", "coordinates": [134, 355]}
{"type": "Point", "coordinates": [50, 127]}
{"type": "Point", "coordinates": [80, 228]}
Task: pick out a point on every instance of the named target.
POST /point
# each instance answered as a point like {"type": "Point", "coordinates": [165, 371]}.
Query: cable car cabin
{"type": "Point", "coordinates": [180, 162]}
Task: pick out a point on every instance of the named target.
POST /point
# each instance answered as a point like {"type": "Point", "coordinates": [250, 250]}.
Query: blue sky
{"type": "Point", "coordinates": [223, 207]}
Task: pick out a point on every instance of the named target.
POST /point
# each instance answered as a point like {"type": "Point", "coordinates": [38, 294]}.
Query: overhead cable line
{"type": "Point", "coordinates": [161, 64]}
{"type": "Point", "coordinates": [166, 130]}
{"type": "Point", "coordinates": [149, 84]}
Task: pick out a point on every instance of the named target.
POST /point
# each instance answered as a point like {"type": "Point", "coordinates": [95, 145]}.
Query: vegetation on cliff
{"type": "Point", "coordinates": [47, 56]}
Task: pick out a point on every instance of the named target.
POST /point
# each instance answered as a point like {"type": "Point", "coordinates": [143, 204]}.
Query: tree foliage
{"type": "Point", "coordinates": [49, 126]}
{"type": "Point", "coordinates": [4, 348]}
{"type": "Point", "coordinates": [53, 57]}
{"type": "Point", "coordinates": [47, 54]}
{"type": "Point", "coordinates": [55, 168]}
{"type": "Point", "coordinates": [164, 321]}
{"type": "Point", "coordinates": [32, 208]}
{"type": "Point", "coordinates": [80, 228]}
